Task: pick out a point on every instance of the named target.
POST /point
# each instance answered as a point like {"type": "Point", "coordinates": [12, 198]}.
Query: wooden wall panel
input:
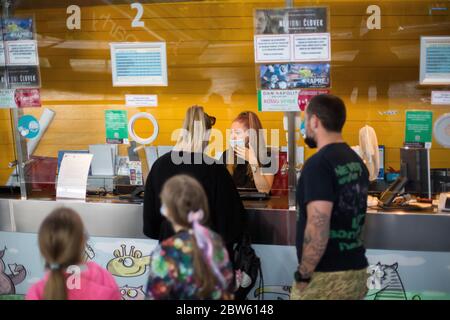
{"type": "Point", "coordinates": [211, 62]}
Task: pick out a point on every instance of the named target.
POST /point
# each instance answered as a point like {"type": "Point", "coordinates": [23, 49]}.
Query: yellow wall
{"type": "Point", "coordinates": [211, 62]}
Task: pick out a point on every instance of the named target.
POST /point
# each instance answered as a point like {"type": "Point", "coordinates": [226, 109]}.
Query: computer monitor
{"type": "Point", "coordinates": [414, 167]}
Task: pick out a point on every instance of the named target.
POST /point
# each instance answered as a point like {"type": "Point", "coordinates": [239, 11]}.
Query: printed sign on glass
{"type": "Point", "coordinates": [311, 47]}
{"type": "Point", "coordinates": [17, 29]}
{"type": "Point", "coordinates": [286, 100]}
{"type": "Point", "coordinates": [292, 20]}
{"type": "Point", "coordinates": [27, 98]}
{"type": "Point", "coordinates": [21, 77]}
{"type": "Point", "coordinates": [435, 60]}
{"type": "Point", "coordinates": [307, 20]}
{"type": "Point", "coordinates": [116, 123]}
{"type": "Point", "coordinates": [139, 64]}
{"type": "Point", "coordinates": [22, 53]}
{"type": "Point", "coordinates": [295, 76]}
{"type": "Point", "coordinates": [419, 126]}
{"type": "Point", "coordinates": [28, 126]}
{"type": "Point", "coordinates": [273, 48]}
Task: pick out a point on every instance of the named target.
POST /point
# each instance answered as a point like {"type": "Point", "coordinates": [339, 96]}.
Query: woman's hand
{"type": "Point", "coordinates": [248, 154]}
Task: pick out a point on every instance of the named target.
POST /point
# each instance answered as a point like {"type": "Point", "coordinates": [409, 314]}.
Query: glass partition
{"type": "Point", "coordinates": [81, 99]}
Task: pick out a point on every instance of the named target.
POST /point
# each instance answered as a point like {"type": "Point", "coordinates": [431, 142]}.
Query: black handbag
{"type": "Point", "coordinates": [247, 267]}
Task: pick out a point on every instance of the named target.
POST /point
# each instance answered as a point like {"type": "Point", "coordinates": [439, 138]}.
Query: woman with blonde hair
{"type": "Point", "coordinates": [194, 135]}
{"type": "Point", "coordinates": [192, 264]}
{"type": "Point", "coordinates": [226, 209]}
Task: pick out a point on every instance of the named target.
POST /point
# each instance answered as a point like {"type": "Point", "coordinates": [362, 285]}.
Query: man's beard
{"type": "Point", "coordinates": [310, 142]}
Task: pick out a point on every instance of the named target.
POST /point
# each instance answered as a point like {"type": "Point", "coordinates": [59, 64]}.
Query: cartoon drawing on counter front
{"type": "Point", "coordinates": [132, 264]}
{"type": "Point", "coordinates": [8, 282]}
{"type": "Point", "coordinates": [385, 283]}
{"type": "Point", "coordinates": [132, 293]}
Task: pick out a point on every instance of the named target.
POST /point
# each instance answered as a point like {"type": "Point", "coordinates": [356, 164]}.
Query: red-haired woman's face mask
{"type": "Point", "coordinates": [239, 135]}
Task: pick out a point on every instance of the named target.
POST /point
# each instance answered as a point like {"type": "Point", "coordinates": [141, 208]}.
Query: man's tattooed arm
{"type": "Point", "coordinates": [316, 235]}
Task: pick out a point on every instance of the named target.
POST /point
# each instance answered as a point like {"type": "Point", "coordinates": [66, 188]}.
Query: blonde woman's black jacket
{"type": "Point", "coordinates": [227, 212]}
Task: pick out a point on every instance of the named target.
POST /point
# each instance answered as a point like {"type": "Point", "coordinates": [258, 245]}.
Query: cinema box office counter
{"type": "Point", "coordinates": [374, 66]}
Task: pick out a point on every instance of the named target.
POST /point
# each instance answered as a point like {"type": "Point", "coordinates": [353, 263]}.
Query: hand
{"type": "Point", "coordinates": [300, 286]}
{"type": "Point", "coordinates": [248, 154]}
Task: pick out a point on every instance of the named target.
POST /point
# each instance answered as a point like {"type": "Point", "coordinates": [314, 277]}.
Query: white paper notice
{"type": "Point", "coordinates": [272, 48]}
{"type": "Point", "coordinates": [278, 100]}
{"type": "Point", "coordinates": [312, 47]}
{"type": "Point", "coordinates": [2, 54]}
{"type": "Point", "coordinates": [23, 53]}
{"type": "Point", "coordinates": [73, 174]}
{"type": "Point", "coordinates": [440, 97]}
{"type": "Point", "coordinates": [141, 100]}
{"type": "Point", "coordinates": [7, 98]}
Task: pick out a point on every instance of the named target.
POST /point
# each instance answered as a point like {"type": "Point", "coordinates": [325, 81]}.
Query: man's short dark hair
{"type": "Point", "coordinates": [330, 110]}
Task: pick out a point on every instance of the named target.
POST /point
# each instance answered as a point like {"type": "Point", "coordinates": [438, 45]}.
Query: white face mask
{"type": "Point", "coordinates": [163, 210]}
{"type": "Point", "coordinates": [237, 143]}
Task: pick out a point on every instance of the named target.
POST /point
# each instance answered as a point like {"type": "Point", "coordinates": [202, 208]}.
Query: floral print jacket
{"type": "Point", "coordinates": [172, 274]}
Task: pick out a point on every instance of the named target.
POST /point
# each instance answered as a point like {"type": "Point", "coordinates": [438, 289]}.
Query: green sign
{"type": "Point", "coordinates": [419, 126]}
{"type": "Point", "coordinates": [278, 100]}
{"type": "Point", "coordinates": [116, 123]}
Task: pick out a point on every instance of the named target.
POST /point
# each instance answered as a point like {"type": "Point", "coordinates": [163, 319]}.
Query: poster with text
{"type": "Point", "coordinates": [291, 20]}
{"type": "Point", "coordinates": [20, 98]}
{"type": "Point", "coordinates": [21, 77]}
{"type": "Point", "coordinates": [295, 76]}
{"type": "Point", "coordinates": [27, 98]}
{"type": "Point", "coordinates": [307, 20]}
{"type": "Point", "coordinates": [286, 100]}
{"type": "Point", "coordinates": [116, 124]}
{"type": "Point", "coordinates": [22, 53]}
{"type": "Point", "coordinates": [311, 47]}
{"type": "Point", "coordinates": [419, 126]}
{"type": "Point", "coordinates": [435, 60]}
{"type": "Point", "coordinates": [273, 48]}
{"type": "Point", "coordinates": [7, 99]}
{"type": "Point", "coordinates": [305, 97]}
{"type": "Point", "coordinates": [440, 97]}
{"type": "Point", "coordinates": [139, 64]}
{"type": "Point", "coordinates": [278, 100]}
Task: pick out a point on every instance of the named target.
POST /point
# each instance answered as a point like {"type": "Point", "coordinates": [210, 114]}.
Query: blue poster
{"type": "Point", "coordinates": [295, 76]}
{"type": "Point", "coordinates": [28, 126]}
{"type": "Point", "coordinates": [17, 29]}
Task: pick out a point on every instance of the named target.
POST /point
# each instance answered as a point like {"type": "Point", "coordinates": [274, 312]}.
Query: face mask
{"type": "Point", "coordinates": [163, 211]}
{"type": "Point", "coordinates": [237, 143]}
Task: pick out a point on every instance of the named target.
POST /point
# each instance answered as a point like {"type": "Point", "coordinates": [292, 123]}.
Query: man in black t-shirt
{"type": "Point", "coordinates": [332, 203]}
